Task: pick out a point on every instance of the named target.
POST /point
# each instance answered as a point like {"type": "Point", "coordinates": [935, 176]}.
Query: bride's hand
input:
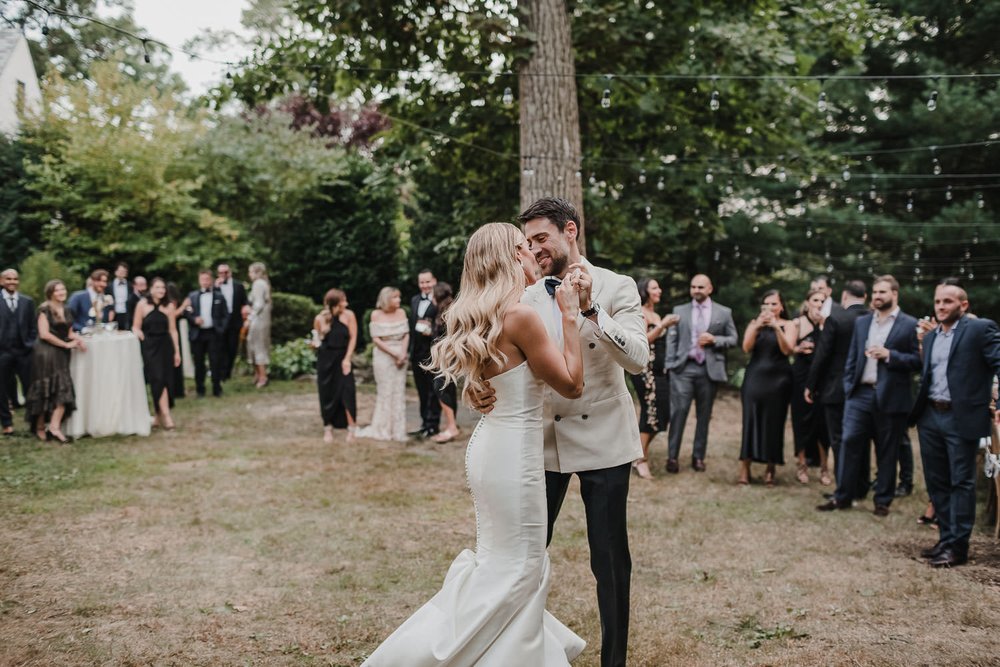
{"type": "Point", "coordinates": [568, 298]}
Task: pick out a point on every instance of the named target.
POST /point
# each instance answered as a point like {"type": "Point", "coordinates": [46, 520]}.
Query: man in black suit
{"type": "Point", "coordinates": [422, 314]}
{"type": "Point", "coordinates": [235, 294]}
{"type": "Point", "coordinates": [139, 288]}
{"type": "Point", "coordinates": [961, 358]}
{"type": "Point", "coordinates": [881, 361]}
{"type": "Point", "coordinates": [826, 375]}
{"type": "Point", "coordinates": [121, 290]}
{"type": "Point", "coordinates": [18, 333]}
{"type": "Point", "coordinates": [208, 316]}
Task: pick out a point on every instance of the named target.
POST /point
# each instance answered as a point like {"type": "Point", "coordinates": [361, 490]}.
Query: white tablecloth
{"type": "Point", "coordinates": [110, 388]}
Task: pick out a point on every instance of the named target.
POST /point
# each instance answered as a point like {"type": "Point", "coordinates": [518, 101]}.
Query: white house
{"type": "Point", "coordinates": [19, 91]}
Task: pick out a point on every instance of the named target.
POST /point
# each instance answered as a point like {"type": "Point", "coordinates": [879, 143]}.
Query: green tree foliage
{"type": "Point", "coordinates": [39, 268]}
{"type": "Point", "coordinates": [17, 234]}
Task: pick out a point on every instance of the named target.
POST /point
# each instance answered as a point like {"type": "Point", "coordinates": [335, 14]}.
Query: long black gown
{"type": "Point", "coordinates": [336, 390]}
{"type": "Point", "coordinates": [51, 383]}
{"type": "Point", "coordinates": [808, 421]}
{"type": "Point", "coordinates": [767, 388]}
{"type": "Point", "coordinates": [158, 356]}
{"type": "Point", "coordinates": [652, 388]}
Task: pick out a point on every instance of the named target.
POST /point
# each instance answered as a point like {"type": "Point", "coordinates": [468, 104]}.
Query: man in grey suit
{"type": "Point", "coordinates": [696, 359]}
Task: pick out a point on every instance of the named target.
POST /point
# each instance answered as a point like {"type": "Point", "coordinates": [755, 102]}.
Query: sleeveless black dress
{"type": "Point", "coordinates": [808, 421]}
{"type": "Point", "coordinates": [448, 395]}
{"type": "Point", "coordinates": [51, 383]}
{"type": "Point", "coordinates": [766, 391]}
{"type": "Point", "coordinates": [652, 388]}
{"type": "Point", "coordinates": [158, 356]}
{"type": "Point", "coordinates": [336, 390]}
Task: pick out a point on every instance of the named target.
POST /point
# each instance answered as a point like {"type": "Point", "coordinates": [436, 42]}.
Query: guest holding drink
{"type": "Point", "coordinates": [335, 335]}
{"type": "Point", "coordinates": [652, 386]}
{"type": "Point", "coordinates": [390, 332]}
{"type": "Point", "coordinates": [767, 387]}
{"type": "Point", "coordinates": [259, 331]}
{"type": "Point", "coordinates": [808, 423]}
{"type": "Point", "coordinates": [155, 325]}
{"type": "Point", "coordinates": [442, 297]}
{"type": "Point", "coordinates": [50, 395]}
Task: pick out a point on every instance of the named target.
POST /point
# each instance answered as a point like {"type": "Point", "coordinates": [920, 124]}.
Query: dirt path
{"type": "Point", "coordinates": [241, 539]}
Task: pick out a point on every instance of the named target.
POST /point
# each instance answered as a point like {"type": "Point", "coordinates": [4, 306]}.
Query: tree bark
{"type": "Point", "coordinates": [550, 118]}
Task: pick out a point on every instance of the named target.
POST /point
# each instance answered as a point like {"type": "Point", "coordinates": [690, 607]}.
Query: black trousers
{"type": "Point", "coordinates": [834, 413]}
{"type": "Point", "coordinates": [14, 365]}
{"type": "Point", "coordinates": [208, 342]}
{"type": "Point", "coordinates": [906, 462]}
{"type": "Point", "coordinates": [123, 322]}
{"type": "Point", "coordinates": [863, 422]}
{"type": "Point", "coordinates": [230, 346]}
{"type": "Point", "coordinates": [430, 407]}
{"type": "Point", "coordinates": [605, 498]}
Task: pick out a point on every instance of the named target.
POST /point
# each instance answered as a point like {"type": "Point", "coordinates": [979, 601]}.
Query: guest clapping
{"type": "Point", "coordinates": [51, 396]}
{"type": "Point", "coordinates": [390, 332]}
{"type": "Point", "coordinates": [767, 387]}
{"type": "Point", "coordinates": [808, 424]}
{"type": "Point", "coordinates": [442, 297]}
{"type": "Point", "coordinates": [259, 332]}
{"type": "Point", "coordinates": [155, 325]}
{"type": "Point", "coordinates": [336, 337]}
{"type": "Point", "coordinates": [652, 386]}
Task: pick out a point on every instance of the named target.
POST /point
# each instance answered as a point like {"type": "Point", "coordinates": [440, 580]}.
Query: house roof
{"type": "Point", "coordinates": [8, 42]}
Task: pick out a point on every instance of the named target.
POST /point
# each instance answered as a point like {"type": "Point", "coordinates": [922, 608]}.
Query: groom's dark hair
{"type": "Point", "coordinates": [556, 210]}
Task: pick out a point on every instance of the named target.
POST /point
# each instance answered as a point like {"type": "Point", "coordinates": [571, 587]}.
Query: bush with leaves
{"type": "Point", "coordinates": [292, 359]}
{"type": "Point", "coordinates": [291, 316]}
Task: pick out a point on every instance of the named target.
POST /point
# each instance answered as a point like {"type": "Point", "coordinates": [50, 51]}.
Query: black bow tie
{"type": "Point", "coordinates": [551, 284]}
{"type": "Point", "coordinates": [424, 298]}
{"type": "Point", "coordinates": [205, 291]}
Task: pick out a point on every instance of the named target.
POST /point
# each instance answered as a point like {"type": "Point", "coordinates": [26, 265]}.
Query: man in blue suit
{"type": "Point", "coordinates": [961, 356]}
{"type": "Point", "coordinates": [883, 357]}
{"type": "Point", "coordinates": [92, 305]}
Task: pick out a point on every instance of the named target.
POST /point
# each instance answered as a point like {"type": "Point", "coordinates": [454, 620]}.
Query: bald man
{"type": "Point", "coordinates": [18, 332]}
{"type": "Point", "coordinates": [696, 360]}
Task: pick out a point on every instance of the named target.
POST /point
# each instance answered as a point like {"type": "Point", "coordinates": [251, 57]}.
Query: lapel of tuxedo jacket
{"type": "Point", "coordinates": [897, 327]}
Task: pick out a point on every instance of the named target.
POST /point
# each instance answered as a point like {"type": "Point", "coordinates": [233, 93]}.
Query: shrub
{"type": "Point", "coordinates": [41, 267]}
{"type": "Point", "coordinates": [292, 359]}
{"type": "Point", "coordinates": [291, 316]}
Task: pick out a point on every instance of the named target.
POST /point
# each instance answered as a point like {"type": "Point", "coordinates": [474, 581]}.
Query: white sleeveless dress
{"type": "Point", "coordinates": [491, 609]}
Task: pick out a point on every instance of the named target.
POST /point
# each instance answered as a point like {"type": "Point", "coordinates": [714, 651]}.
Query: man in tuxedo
{"type": "Point", "coordinates": [961, 358]}
{"type": "Point", "coordinates": [121, 290]}
{"type": "Point", "coordinates": [235, 294]}
{"type": "Point", "coordinates": [822, 283]}
{"type": "Point", "coordinates": [881, 361]}
{"type": "Point", "coordinates": [422, 314]}
{"type": "Point", "coordinates": [18, 333]}
{"type": "Point", "coordinates": [696, 359]}
{"type": "Point", "coordinates": [208, 316]}
{"type": "Point", "coordinates": [826, 375]}
{"type": "Point", "coordinates": [90, 305]}
{"type": "Point", "coordinates": [595, 436]}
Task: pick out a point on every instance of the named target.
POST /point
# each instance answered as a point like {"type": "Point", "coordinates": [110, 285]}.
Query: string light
{"type": "Point", "coordinates": [508, 97]}
{"type": "Point", "coordinates": [821, 105]}
{"type": "Point", "coordinates": [932, 101]}
{"type": "Point", "coordinates": [714, 102]}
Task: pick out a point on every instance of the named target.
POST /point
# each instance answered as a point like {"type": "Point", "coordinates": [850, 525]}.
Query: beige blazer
{"type": "Point", "coordinates": [599, 429]}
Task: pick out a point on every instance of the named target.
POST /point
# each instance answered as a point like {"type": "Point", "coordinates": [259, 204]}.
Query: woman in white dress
{"type": "Point", "coordinates": [491, 609]}
{"type": "Point", "coordinates": [259, 325]}
{"type": "Point", "coordinates": [390, 332]}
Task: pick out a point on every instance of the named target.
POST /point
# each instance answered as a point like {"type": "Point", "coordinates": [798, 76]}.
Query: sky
{"type": "Point", "coordinates": [176, 21]}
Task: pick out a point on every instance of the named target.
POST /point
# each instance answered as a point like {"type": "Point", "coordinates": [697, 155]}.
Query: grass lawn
{"type": "Point", "coordinates": [242, 539]}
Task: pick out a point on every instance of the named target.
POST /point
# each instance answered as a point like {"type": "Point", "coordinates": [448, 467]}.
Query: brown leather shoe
{"type": "Point", "coordinates": [698, 464]}
{"type": "Point", "coordinates": [672, 466]}
{"type": "Point", "coordinates": [881, 510]}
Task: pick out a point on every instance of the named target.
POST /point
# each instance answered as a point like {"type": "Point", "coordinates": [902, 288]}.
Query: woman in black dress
{"type": "Point", "coordinates": [155, 325]}
{"type": "Point", "coordinates": [335, 337]}
{"type": "Point", "coordinates": [808, 423]}
{"type": "Point", "coordinates": [175, 299]}
{"type": "Point", "coordinates": [50, 395]}
{"type": "Point", "coordinates": [767, 387]}
{"type": "Point", "coordinates": [441, 296]}
{"type": "Point", "coordinates": [652, 386]}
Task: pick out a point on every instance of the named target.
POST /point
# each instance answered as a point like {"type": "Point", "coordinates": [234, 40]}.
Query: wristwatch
{"type": "Point", "coordinates": [593, 310]}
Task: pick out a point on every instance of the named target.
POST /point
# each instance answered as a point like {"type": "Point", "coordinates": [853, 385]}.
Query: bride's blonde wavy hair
{"type": "Point", "coordinates": [492, 280]}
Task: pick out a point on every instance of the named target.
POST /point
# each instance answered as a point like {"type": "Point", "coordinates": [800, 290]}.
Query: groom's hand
{"type": "Point", "coordinates": [482, 401]}
{"type": "Point", "coordinates": [582, 280]}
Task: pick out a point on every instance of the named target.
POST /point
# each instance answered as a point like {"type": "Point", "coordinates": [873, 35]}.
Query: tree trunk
{"type": "Point", "coordinates": [550, 119]}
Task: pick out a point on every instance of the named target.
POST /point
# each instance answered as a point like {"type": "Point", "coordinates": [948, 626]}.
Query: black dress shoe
{"type": "Point", "coordinates": [831, 505]}
{"type": "Point", "coordinates": [829, 496]}
{"type": "Point", "coordinates": [428, 432]}
{"type": "Point", "coordinates": [903, 491]}
{"type": "Point", "coordinates": [698, 464]}
{"type": "Point", "coordinates": [419, 433]}
{"type": "Point", "coordinates": [949, 558]}
{"type": "Point", "coordinates": [672, 466]}
{"type": "Point", "coordinates": [934, 551]}
{"type": "Point", "coordinates": [881, 510]}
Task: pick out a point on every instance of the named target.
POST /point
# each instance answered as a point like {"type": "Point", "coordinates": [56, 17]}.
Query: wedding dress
{"type": "Point", "coordinates": [491, 609]}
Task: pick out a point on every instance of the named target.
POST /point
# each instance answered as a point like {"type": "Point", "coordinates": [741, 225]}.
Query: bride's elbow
{"type": "Point", "coordinates": [572, 390]}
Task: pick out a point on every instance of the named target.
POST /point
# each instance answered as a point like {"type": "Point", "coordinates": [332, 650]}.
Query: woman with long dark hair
{"type": "Point", "coordinates": [155, 325]}
{"type": "Point", "coordinates": [336, 337]}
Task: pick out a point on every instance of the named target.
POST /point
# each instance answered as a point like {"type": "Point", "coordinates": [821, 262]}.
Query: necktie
{"type": "Point", "coordinates": [11, 304]}
{"type": "Point", "coordinates": [699, 328]}
{"type": "Point", "coordinates": [551, 284]}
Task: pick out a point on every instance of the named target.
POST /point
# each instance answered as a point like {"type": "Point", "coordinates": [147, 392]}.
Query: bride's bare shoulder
{"type": "Point", "coordinates": [520, 314]}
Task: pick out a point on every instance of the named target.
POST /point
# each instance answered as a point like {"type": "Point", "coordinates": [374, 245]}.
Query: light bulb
{"type": "Point", "coordinates": [872, 194]}
{"type": "Point", "coordinates": [829, 268]}
{"type": "Point", "coordinates": [936, 167]}
{"type": "Point", "coordinates": [714, 103]}
{"type": "Point", "coordinates": [508, 97]}
{"type": "Point", "coordinates": [948, 195]}
{"type": "Point", "coordinates": [782, 176]}
{"type": "Point", "coordinates": [660, 185]}
{"type": "Point", "coordinates": [861, 207]}
{"type": "Point", "coordinates": [909, 205]}
{"type": "Point", "coordinates": [932, 101]}
{"type": "Point", "coordinates": [606, 99]}
{"type": "Point", "coordinates": [709, 176]}
{"type": "Point", "coordinates": [642, 176]}
{"type": "Point", "coordinates": [980, 202]}
{"type": "Point", "coordinates": [756, 229]}
{"type": "Point", "coordinates": [729, 187]}
{"type": "Point", "coordinates": [846, 174]}
{"type": "Point", "coordinates": [821, 103]}
{"type": "Point", "coordinates": [809, 232]}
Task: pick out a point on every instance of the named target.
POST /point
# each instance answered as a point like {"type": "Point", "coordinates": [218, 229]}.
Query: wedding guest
{"type": "Point", "coordinates": [696, 359]}
{"type": "Point", "coordinates": [120, 289]}
{"type": "Point", "coordinates": [336, 337]}
{"type": "Point", "coordinates": [808, 424]}
{"type": "Point", "coordinates": [442, 297]}
{"type": "Point", "coordinates": [50, 395]}
{"type": "Point", "coordinates": [259, 331]}
{"type": "Point", "coordinates": [652, 386]}
{"type": "Point", "coordinates": [207, 314]}
{"type": "Point", "coordinates": [422, 314]}
{"type": "Point", "coordinates": [235, 295]}
{"type": "Point", "coordinates": [18, 332]}
{"type": "Point", "coordinates": [390, 332]}
{"type": "Point", "coordinates": [155, 325]}
{"type": "Point", "coordinates": [180, 307]}
{"type": "Point", "coordinates": [822, 283]}
{"type": "Point", "coordinates": [92, 305]}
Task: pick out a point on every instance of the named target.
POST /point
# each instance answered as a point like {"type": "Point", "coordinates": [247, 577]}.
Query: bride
{"type": "Point", "coordinates": [491, 609]}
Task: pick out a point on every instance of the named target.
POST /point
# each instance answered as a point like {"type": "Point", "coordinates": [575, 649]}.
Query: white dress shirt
{"type": "Point", "coordinates": [425, 303]}
{"type": "Point", "coordinates": [205, 308]}
{"type": "Point", "coordinates": [120, 290]}
{"type": "Point", "coordinates": [11, 300]}
{"type": "Point", "coordinates": [877, 335]}
{"type": "Point", "coordinates": [227, 293]}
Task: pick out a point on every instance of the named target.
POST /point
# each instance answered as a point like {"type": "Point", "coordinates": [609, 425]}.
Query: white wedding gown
{"type": "Point", "coordinates": [491, 609]}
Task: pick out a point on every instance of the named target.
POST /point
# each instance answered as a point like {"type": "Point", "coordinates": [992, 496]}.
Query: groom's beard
{"type": "Point", "coordinates": [557, 265]}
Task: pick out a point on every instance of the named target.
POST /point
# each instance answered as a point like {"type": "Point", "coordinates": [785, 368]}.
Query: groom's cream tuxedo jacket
{"type": "Point", "coordinates": [599, 429]}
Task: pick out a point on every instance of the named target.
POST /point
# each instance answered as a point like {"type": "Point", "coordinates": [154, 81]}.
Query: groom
{"type": "Point", "coordinates": [595, 436]}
